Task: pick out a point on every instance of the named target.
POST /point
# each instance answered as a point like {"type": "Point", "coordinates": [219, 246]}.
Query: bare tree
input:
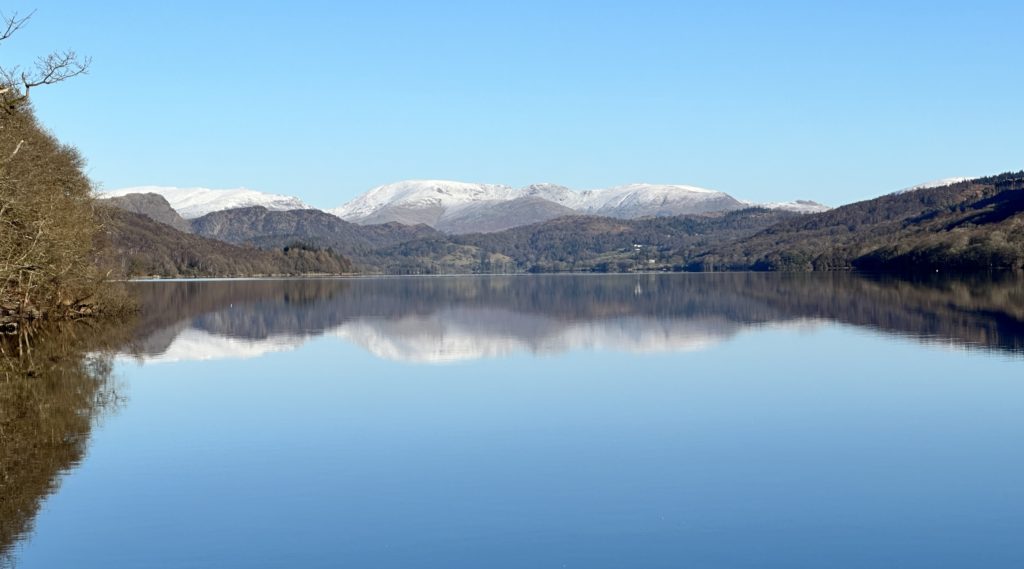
{"type": "Point", "coordinates": [16, 83]}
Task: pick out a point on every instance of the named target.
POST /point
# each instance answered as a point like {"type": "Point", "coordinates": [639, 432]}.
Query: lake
{"type": "Point", "coordinates": [677, 420]}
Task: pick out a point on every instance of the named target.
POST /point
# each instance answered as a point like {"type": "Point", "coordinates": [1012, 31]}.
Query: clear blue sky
{"type": "Point", "coordinates": [832, 101]}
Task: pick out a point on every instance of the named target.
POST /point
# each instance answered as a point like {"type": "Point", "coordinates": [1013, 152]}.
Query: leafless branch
{"type": "Point", "coordinates": [11, 24]}
{"type": "Point", "coordinates": [55, 67]}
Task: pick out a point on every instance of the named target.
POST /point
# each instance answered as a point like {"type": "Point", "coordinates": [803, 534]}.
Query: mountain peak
{"type": "Point", "coordinates": [417, 201]}
{"type": "Point", "coordinates": [191, 203]}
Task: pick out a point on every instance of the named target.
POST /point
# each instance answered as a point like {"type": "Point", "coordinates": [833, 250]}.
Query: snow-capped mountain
{"type": "Point", "coordinates": [461, 207]}
{"type": "Point", "coordinates": [191, 203]}
{"type": "Point", "coordinates": [438, 202]}
{"type": "Point", "coordinates": [798, 206]}
{"type": "Point", "coordinates": [643, 200]}
{"type": "Point", "coordinates": [934, 184]}
{"type": "Point", "coordinates": [418, 201]}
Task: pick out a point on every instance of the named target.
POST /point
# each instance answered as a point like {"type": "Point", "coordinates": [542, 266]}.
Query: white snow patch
{"type": "Point", "coordinates": [934, 184]}
{"type": "Point", "coordinates": [799, 206]}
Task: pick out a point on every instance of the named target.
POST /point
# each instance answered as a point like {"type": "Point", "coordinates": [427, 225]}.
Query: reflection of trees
{"type": "Point", "coordinates": [977, 311]}
{"type": "Point", "coordinates": [53, 387]}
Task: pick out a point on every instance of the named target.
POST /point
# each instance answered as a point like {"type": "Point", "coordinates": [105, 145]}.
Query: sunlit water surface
{"type": "Point", "coordinates": [554, 421]}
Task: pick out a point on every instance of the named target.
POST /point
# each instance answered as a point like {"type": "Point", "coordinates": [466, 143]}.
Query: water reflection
{"type": "Point", "coordinates": [459, 318]}
{"type": "Point", "coordinates": [535, 462]}
{"type": "Point", "coordinates": [54, 385]}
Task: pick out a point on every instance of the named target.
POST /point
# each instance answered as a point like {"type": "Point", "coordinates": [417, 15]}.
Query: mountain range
{"type": "Point", "coordinates": [451, 227]}
{"type": "Point", "coordinates": [460, 207]}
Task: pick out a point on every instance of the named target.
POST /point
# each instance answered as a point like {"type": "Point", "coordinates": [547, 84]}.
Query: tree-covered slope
{"type": "Point", "coordinates": [577, 243]}
{"type": "Point", "coordinates": [140, 246]}
{"type": "Point", "coordinates": [273, 229]}
{"type": "Point", "coordinates": [972, 225]}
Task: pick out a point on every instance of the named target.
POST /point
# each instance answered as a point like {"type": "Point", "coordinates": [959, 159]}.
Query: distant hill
{"type": "Point", "coordinates": [273, 229]}
{"type": "Point", "coordinates": [140, 246]}
{"type": "Point", "coordinates": [486, 217]}
{"type": "Point", "coordinates": [973, 224]}
{"type": "Point", "coordinates": [153, 206]}
{"type": "Point", "coordinates": [579, 243]}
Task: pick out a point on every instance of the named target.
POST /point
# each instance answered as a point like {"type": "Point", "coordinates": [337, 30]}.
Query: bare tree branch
{"type": "Point", "coordinates": [11, 24]}
{"type": "Point", "coordinates": [55, 67]}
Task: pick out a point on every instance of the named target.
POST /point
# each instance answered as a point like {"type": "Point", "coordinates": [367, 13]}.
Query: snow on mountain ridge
{"type": "Point", "coordinates": [191, 203]}
{"type": "Point", "coordinates": [798, 206]}
{"type": "Point", "coordinates": [934, 184]}
{"type": "Point", "coordinates": [645, 195]}
{"type": "Point", "coordinates": [421, 193]}
{"type": "Point", "coordinates": [463, 206]}
{"type": "Point", "coordinates": [631, 200]}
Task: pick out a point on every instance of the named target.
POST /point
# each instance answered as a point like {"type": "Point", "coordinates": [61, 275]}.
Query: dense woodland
{"type": "Point", "coordinates": [969, 226]}
{"type": "Point", "coordinates": [49, 230]}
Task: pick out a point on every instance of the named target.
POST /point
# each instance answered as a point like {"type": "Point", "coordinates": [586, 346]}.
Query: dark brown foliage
{"type": "Point", "coordinates": [48, 227]}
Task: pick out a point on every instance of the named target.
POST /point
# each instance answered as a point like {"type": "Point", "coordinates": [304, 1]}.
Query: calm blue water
{"type": "Point", "coordinates": [625, 421]}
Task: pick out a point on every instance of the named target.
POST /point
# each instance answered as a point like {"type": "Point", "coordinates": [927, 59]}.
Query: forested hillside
{"type": "Point", "coordinates": [578, 243]}
{"type": "Point", "coordinates": [973, 225]}
{"type": "Point", "coordinates": [48, 230]}
{"type": "Point", "coordinates": [140, 246]}
{"type": "Point", "coordinates": [275, 229]}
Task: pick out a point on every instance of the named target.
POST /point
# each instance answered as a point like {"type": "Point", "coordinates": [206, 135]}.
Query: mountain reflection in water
{"type": "Point", "coordinates": [445, 319]}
